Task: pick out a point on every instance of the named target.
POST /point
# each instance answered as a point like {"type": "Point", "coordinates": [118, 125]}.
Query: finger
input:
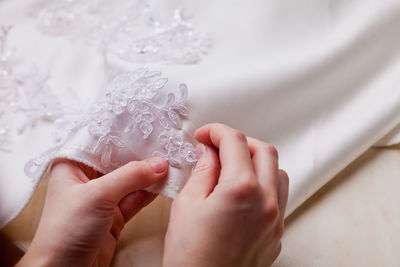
{"type": "Point", "coordinates": [128, 207]}
{"type": "Point", "coordinates": [131, 204]}
{"type": "Point", "coordinates": [133, 176]}
{"type": "Point", "coordinates": [233, 149]}
{"type": "Point", "coordinates": [205, 175]}
{"type": "Point", "coordinates": [265, 162]}
{"type": "Point", "coordinates": [283, 191]}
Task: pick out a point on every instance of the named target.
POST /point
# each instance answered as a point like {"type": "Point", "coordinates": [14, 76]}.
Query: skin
{"type": "Point", "coordinates": [230, 212]}
{"type": "Point", "coordinates": [83, 217]}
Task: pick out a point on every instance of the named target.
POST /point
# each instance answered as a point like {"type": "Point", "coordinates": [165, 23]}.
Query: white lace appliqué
{"type": "Point", "coordinates": [39, 102]}
{"type": "Point", "coordinates": [127, 124]}
{"type": "Point", "coordinates": [143, 38]}
{"type": "Point", "coordinates": [7, 86]}
{"type": "Point", "coordinates": [26, 92]}
{"type": "Point", "coordinates": [128, 29]}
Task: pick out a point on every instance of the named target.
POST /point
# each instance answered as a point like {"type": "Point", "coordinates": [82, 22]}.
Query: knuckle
{"type": "Point", "coordinates": [271, 211]}
{"type": "Point", "coordinates": [271, 150]}
{"type": "Point", "coordinates": [239, 135]}
{"type": "Point", "coordinates": [245, 187]}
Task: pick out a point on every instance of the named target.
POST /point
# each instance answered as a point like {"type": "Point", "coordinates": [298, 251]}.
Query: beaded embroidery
{"type": "Point", "coordinates": [7, 86]}
{"type": "Point", "coordinates": [131, 30]}
{"type": "Point", "coordinates": [24, 92]}
{"type": "Point", "coordinates": [127, 109]}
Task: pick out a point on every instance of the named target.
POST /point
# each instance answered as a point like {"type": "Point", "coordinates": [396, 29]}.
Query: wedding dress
{"type": "Point", "coordinates": [317, 79]}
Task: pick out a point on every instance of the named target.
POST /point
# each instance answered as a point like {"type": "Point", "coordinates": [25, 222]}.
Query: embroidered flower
{"type": "Point", "coordinates": [173, 109]}
{"type": "Point", "coordinates": [100, 126]}
{"type": "Point", "coordinates": [176, 148]}
{"type": "Point", "coordinates": [144, 121]}
{"type": "Point", "coordinates": [139, 109]}
{"type": "Point", "coordinates": [116, 121]}
{"type": "Point", "coordinates": [131, 30]}
{"type": "Point", "coordinates": [104, 147]}
{"type": "Point", "coordinates": [188, 152]}
{"type": "Point", "coordinates": [150, 85]}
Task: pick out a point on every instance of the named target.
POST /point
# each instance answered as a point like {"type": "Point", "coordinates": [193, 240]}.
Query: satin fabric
{"type": "Point", "coordinates": [316, 78]}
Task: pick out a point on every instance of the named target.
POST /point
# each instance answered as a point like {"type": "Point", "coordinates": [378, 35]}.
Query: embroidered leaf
{"type": "Point", "coordinates": [163, 139]}
{"type": "Point", "coordinates": [159, 83]}
{"type": "Point", "coordinates": [181, 109]}
{"type": "Point", "coordinates": [98, 145]}
{"type": "Point", "coordinates": [162, 118]}
{"type": "Point", "coordinates": [140, 73]}
{"type": "Point", "coordinates": [106, 156]}
{"type": "Point", "coordinates": [116, 141]}
{"type": "Point", "coordinates": [146, 128]}
{"type": "Point", "coordinates": [148, 116]}
{"type": "Point", "coordinates": [171, 100]}
{"type": "Point", "coordinates": [150, 74]}
{"type": "Point", "coordinates": [175, 119]}
{"type": "Point", "coordinates": [184, 91]}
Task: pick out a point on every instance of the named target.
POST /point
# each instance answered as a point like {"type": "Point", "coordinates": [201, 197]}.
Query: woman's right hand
{"type": "Point", "coordinates": [231, 211]}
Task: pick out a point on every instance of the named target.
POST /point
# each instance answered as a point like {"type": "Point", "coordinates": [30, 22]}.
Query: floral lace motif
{"type": "Point", "coordinates": [27, 92]}
{"type": "Point", "coordinates": [132, 94]}
{"type": "Point", "coordinates": [5, 54]}
{"type": "Point", "coordinates": [7, 85]}
{"type": "Point", "coordinates": [174, 148]}
{"type": "Point", "coordinates": [131, 30]}
{"type": "Point", "coordinates": [39, 102]}
{"type": "Point", "coordinates": [144, 38]}
{"type": "Point", "coordinates": [128, 109]}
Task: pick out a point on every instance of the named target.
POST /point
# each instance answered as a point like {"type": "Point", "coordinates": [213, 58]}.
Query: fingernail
{"type": "Point", "coordinates": [158, 164]}
{"type": "Point", "coordinates": [200, 150]}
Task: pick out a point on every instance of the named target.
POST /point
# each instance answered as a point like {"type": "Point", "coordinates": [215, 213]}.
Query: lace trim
{"type": "Point", "coordinates": [127, 110]}
{"type": "Point", "coordinates": [128, 29]}
{"type": "Point", "coordinates": [6, 86]}
{"type": "Point", "coordinates": [39, 102]}
{"type": "Point", "coordinates": [23, 92]}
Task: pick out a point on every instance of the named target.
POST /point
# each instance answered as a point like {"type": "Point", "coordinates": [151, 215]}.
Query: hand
{"type": "Point", "coordinates": [83, 217]}
{"type": "Point", "coordinates": [231, 211]}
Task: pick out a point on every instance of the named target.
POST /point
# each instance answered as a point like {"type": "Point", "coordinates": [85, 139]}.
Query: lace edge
{"type": "Point", "coordinates": [165, 188]}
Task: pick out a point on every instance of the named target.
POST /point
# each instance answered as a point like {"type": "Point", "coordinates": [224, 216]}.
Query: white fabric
{"type": "Point", "coordinates": [317, 78]}
{"type": "Point", "coordinates": [392, 138]}
{"type": "Point", "coordinates": [126, 124]}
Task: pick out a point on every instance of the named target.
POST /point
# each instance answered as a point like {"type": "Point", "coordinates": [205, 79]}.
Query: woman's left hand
{"type": "Point", "coordinates": [84, 213]}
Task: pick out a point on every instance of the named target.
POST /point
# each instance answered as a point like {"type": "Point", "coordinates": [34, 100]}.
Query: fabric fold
{"type": "Point", "coordinates": [127, 124]}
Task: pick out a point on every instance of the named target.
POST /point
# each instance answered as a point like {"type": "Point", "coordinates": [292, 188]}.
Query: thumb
{"type": "Point", "coordinates": [205, 174]}
{"type": "Point", "coordinates": [133, 176]}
